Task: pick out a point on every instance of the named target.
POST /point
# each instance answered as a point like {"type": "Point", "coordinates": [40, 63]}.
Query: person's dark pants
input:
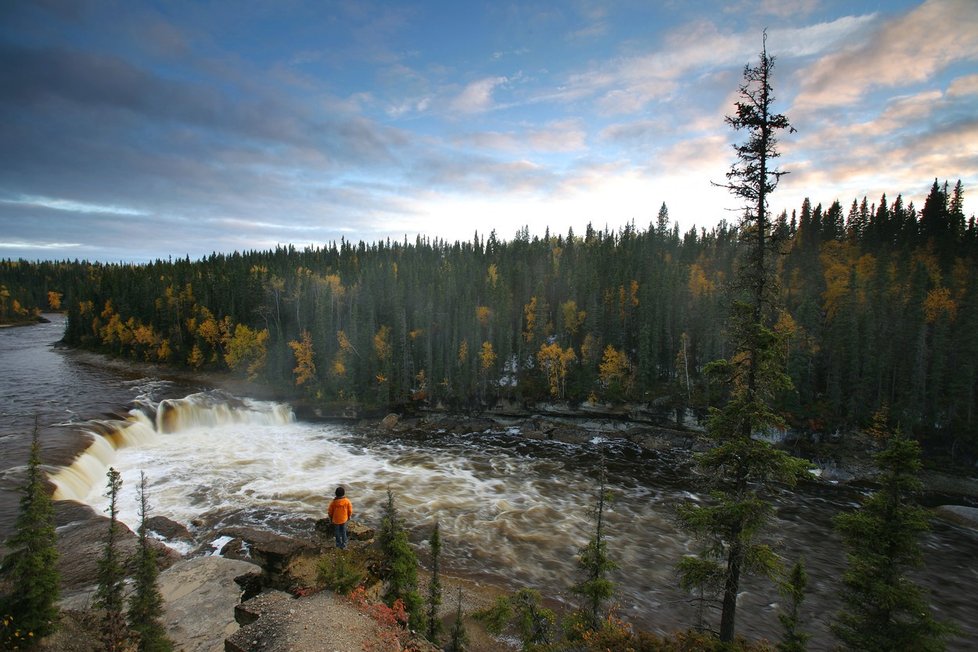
{"type": "Point", "coordinates": [339, 531]}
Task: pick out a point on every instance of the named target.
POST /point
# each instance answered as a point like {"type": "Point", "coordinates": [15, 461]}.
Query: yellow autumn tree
{"type": "Point", "coordinates": [492, 275]}
{"type": "Point", "coordinates": [699, 284]}
{"type": "Point", "coordinates": [144, 338]}
{"type": "Point", "coordinates": [939, 302]}
{"type": "Point", "coordinates": [342, 355]}
{"type": "Point", "coordinates": [555, 363]}
{"type": "Point", "coordinates": [305, 365]}
{"type": "Point", "coordinates": [54, 300]}
{"type": "Point", "coordinates": [109, 332]}
{"type": "Point", "coordinates": [196, 358]}
{"type": "Point", "coordinates": [590, 349]}
{"type": "Point", "coordinates": [382, 343]}
{"type": "Point", "coordinates": [487, 357]}
{"type": "Point", "coordinates": [530, 319]}
{"type": "Point", "coordinates": [483, 313]}
{"type": "Point", "coordinates": [837, 266]}
{"type": "Point", "coordinates": [247, 349]}
{"type": "Point", "coordinates": [573, 318]}
{"type": "Point", "coordinates": [163, 351]}
{"type": "Point", "coordinates": [615, 373]}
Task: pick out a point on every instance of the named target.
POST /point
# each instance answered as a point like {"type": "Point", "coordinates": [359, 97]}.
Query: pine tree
{"type": "Point", "coordinates": [742, 468]}
{"type": "Point", "coordinates": [459, 637]}
{"type": "Point", "coordinates": [146, 603]}
{"type": "Point", "coordinates": [111, 575]}
{"type": "Point", "coordinates": [884, 610]}
{"type": "Point", "coordinates": [32, 562]}
{"type": "Point", "coordinates": [434, 588]}
{"type": "Point", "coordinates": [793, 590]}
{"type": "Point", "coordinates": [401, 565]}
{"type": "Point", "coordinates": [594, 563]}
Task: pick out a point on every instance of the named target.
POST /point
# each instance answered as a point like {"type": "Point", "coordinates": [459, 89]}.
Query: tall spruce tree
{"type": "Point", "coordinates": [401, 565]}
{"type": "Point", "coordinates": [595, 564]}
{"type": "Point", "coordinates": [434, 587]}
{"type": "Point", "coordinates": [32, 562]}
{"type": "Point", "coordinates": [146, 602]}
{"type": "Point", "coordinates": [885, 610]}
{"type": "Point", "coordinates": [744, 469]}
{"type": "Point", "coordinates": [793, 590]}
{"type": "Point", "coordinates": [111, 575]}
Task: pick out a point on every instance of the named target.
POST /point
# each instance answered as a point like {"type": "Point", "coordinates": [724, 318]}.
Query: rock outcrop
{"type": "Point", "coordinates": [959, 514]}
{"type": "Point", "coordinates": [323, 622]}
{"type": "Point", "coordinates": [355, 530]}
{"type": "Point", "coordinates": [199, 597]}
{"type": "Point", "coordinates": [272, 552]}
{"type": "Point", "coordinates": [169, 529]}
{"type": "Point", "coordinates": [81, 543]}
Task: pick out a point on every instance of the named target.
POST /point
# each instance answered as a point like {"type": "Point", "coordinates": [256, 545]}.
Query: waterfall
{"type": "Point", "coordinates": [147, 422]}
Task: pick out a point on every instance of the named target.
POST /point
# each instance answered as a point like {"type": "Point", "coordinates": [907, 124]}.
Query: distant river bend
{"type": "Point", "coordinates": [512, 511]}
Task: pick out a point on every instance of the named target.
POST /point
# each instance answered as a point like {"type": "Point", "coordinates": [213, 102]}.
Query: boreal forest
{"type": "Point", "coordinates": [879, 310]}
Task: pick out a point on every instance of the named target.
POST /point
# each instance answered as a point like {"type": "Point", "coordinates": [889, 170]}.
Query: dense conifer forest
{"type": "Point", "coordinates": [880, 310]}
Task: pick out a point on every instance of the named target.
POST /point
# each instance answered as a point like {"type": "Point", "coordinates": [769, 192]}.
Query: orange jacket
{"type": "Point", "coordinates": [340, 510]}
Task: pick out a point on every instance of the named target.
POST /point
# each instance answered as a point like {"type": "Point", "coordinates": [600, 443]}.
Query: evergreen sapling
{"type": "Point", "coordinates": [884, 609]}
{"type": "Point", "coordinates": [30, 608]}
{"type": "Point", "coordinates": [146, 602]}
{"type": "Point", "coordinates": [434, 588]}
{"type": "Point", "coordinates": [401, 565]}
{"type": "Point", "coordinates": [111, 576]}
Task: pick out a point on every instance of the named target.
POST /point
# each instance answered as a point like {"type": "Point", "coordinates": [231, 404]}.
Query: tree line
{"type": "Point", "coordinates": [879, 307]}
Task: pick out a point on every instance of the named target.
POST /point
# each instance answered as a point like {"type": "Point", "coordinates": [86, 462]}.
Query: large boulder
{"type": "Point", "coordinates": [168, 529]}
{"type": "Point", "coordinates": [960, 514]}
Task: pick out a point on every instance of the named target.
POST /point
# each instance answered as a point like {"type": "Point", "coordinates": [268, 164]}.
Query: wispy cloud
{"type": "Point", "coordinates": [787, 8]}
{"type": "Point", "coordinates": [963, 86]}
{"type": "Point", "coordinates": [72, 206]}
{"type": "Point", "coordinates": [628, 85]}
{"type": "Point", "coordinates": [477, 96]}
{"type": "Point", "coordinates": [39, 245]}
{"type": "Point", "coordinates": [906, 50]}
{"type": "Point", "coordinates": [561, 136]}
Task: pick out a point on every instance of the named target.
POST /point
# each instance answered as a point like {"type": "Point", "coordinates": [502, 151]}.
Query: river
{"type": "Point", "coordinates": [512, 511]}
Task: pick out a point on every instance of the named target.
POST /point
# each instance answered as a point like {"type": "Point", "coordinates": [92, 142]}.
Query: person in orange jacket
{"type": "Point", "coordinates": [340, 510]}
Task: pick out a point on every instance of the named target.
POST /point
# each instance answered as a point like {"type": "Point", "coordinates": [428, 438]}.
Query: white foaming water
{"type": "Point", "coordinates": [519, 518]}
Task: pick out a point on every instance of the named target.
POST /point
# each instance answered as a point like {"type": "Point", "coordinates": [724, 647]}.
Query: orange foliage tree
{"type": "Point", "coordinates": [305, 364]}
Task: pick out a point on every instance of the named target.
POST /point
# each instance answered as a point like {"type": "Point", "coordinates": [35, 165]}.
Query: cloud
{"type": "Point", "coordinates": [963, 86]}
{"type": "Point", "coordinates": [787, 8]}
{"type": "Point", "coordinates": [560, 136]}
{"type": "Point", "coordinates": [72, 206]}
{"type": "Point", "coordinates": [477, 96]}
{"type": "Point", "coordinates": [628, 85]}
{"type": "Point", "coordinates": [38, 245]}
{"type": "Point", "coordinates": [906, 50]}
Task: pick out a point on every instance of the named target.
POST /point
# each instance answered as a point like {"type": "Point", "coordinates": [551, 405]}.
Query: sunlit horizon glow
{"type": "Point", "coordinates": [136, 132]}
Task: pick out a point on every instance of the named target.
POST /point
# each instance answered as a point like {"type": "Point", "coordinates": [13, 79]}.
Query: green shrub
{"type": "Point", "coordinates": [340, 573]}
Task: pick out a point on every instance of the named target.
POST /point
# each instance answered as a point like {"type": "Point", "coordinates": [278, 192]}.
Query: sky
{"type": "Point", "coordinates": [132, 131]}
